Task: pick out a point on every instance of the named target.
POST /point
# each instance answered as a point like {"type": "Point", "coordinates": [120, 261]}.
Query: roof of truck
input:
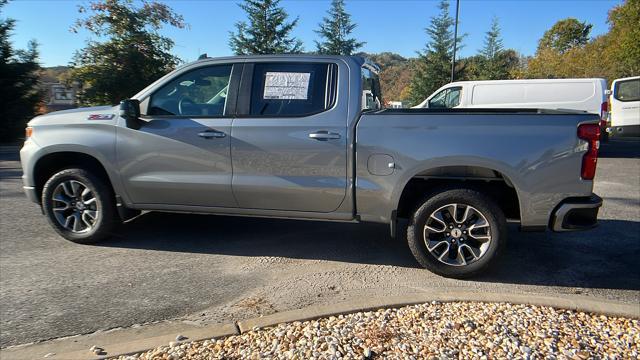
{"type": "Point", "coordinates": [358, 59]}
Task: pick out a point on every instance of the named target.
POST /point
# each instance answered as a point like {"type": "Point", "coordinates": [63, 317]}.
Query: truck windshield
{"type": "Point", "coordinates": [371, 95]}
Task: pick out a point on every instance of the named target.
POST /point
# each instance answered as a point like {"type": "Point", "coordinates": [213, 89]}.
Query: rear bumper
{"type": "Point", "coordinates": [624, 131]}
{"type": "Point", "coordinates": [576, 214]}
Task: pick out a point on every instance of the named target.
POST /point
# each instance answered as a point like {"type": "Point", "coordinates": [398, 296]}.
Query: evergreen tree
{"type": "Point", "coordinates": [493, 60]}
{"type": "Point", "coordinates": [492, 41]}
{"type": "Point", "coordinates": [133, 54]}
{"type": "Point", "coordinates": [335, 30]}
{"type": "Point", "coordinates": [433, 68]}
{"type": "Point", "coordinates": [18, 83]}
{"type": "Point", "coordinates": [268, 32]}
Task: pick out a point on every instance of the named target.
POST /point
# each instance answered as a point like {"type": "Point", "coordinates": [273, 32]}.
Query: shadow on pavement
{"type": "Point", "coordinates": [628, 148]}
{"type": "Point", "coordinates": [605, 257]}
{"type": "Point", "coordinates": [244, 236]}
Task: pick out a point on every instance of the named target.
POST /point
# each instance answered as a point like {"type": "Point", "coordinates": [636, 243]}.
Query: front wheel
{"type": "Point", "coordinates": [79, 206]}
{"type": "Point", "coordinates": [457, 233]}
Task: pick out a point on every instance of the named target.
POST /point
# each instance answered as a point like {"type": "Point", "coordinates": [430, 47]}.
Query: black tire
{"type": "Point", "coordinates": [105, 205]}
{"type": "Point", "coordinates": [485, 205]}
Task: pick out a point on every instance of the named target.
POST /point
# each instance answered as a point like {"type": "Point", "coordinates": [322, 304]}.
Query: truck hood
{"type": "Point", "coordinates": [77, 116]}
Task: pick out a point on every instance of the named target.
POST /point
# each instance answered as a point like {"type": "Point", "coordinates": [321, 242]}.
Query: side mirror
{"type": "Point", "coordinates": [130, 111]}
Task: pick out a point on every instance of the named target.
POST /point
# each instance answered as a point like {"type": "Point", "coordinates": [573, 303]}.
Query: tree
{"type": "Point", "coordinates": [433, 68]}
{"type": "Point", "coordinates": [133, 55]}
{"type": "Point", "coordinates": [493, 61]}
{"type": "Point", "coordinates": [268, 32]}
{"type": "Point", "coordinates": [565, 40]}
{"type": "Point", "coordinates": [18, 83]}
{"type": "Point", "coordinates": [623, 39]}
{"type": "Point", "coordinates": [612, 55]}
{"type": "Point", "coordinates": [492, 41]}
{"type": "Point", "coordinates": [335, 30]}
{"type": "Point", "coordinates": [565, 35]}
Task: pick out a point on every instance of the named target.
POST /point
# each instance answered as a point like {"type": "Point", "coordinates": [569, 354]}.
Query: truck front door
{"type": "Point", "coordinates": [289, 138]}
{"type": "Point", "coordinates": [181, 153]}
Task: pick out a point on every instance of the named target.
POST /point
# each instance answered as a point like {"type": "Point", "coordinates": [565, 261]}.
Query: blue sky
{"type": "Point", "coordinates": [386, 25]}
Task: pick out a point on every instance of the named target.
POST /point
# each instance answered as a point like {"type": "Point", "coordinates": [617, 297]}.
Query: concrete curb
{"type": "Point", "coordinates": [571, 302]}
{"type": "Point", "coordinates": [138, 339]}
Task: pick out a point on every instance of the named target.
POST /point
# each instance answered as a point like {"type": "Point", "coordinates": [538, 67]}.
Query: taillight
{"type": "Point", "coordinates": [28, 132]}
{"type": "Point", "coordinates": [604, 110]}
{"type": "Point", "coordinates": [604, 115]}
{"type": "Point", "coordinates": [591, 134]}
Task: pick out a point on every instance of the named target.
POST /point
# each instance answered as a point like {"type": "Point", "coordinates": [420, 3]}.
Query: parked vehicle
{"type": "Point", "coordinates": [588, 95]}
{"type": "Point", "coordinates": [625, 107]}
{"type": "Point", "coordinates": [303, 137]}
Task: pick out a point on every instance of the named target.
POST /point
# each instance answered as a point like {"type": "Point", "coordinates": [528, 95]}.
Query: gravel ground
{"type": "Point", "coordinates": [437, 330]}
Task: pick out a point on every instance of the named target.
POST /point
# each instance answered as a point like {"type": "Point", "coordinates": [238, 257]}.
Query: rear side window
{"type": "Point", "coordinates": [628, 90]}
{"type": "Point", "coordinates": [292, 89]}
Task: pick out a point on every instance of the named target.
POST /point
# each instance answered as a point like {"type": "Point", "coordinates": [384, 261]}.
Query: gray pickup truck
{"type": "Point", "coordinates": [305, 137]}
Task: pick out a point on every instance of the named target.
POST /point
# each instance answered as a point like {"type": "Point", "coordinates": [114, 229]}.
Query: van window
{"type": "Point", "coordinates": [201, 92]}
{"type": "Point", "coordinates": [628, 90]}
{"type": "Point", "coordinates": [292, 89]}
{"type": "Point", "coordinates": [446, 99]}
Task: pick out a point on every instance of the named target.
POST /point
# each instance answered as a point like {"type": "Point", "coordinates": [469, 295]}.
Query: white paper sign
{"type": "Point", "coordinates": [286, 85]}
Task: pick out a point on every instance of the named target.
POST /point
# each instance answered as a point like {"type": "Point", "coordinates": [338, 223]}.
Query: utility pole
{"type": "Point", "coordinates": [455, 42]}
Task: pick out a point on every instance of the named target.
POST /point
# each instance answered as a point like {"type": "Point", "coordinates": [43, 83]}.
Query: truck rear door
{"type": "Point", "coordinates": [289, 137]}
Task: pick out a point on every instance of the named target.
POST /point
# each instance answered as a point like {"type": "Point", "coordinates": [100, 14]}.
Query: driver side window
{"type": "Point", "coordinates": [446, 99]}
{"type": "Point", "coordinates": [201, 92]}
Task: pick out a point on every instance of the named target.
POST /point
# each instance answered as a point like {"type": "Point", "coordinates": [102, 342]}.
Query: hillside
{"type": "Point", "coordinates": [395, 74]}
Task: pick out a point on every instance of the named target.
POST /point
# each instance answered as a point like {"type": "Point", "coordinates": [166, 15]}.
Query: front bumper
{"type": "Point", "coordinates": [576, 214]}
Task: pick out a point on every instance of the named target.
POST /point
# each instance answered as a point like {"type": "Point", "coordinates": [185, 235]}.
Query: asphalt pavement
{"type": "Point", "coordinates": [209, 269]}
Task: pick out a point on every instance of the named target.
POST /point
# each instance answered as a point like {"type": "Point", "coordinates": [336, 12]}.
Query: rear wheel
{"type": "Point", "coordinates": [457, 233]}
{"type": "Point", "coordinates": [79, 206]}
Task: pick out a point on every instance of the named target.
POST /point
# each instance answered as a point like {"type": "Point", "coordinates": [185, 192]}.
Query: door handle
{"type": "Point", "coordinates": [212, 134]}
{"type": "Point", "coordinates": [323, 135]}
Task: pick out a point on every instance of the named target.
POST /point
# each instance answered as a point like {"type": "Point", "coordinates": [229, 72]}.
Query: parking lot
{"type": "Point", "coordinates": [217, 269]}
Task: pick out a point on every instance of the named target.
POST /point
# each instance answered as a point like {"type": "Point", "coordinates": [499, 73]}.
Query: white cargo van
{"type": "Point", "coordinates": [625, 107]}
{"type": "Point", "coordinates": [588, 95]}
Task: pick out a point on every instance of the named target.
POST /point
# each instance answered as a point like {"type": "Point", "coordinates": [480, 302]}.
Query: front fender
{"type": "Point", "coordinates": [95, 140]}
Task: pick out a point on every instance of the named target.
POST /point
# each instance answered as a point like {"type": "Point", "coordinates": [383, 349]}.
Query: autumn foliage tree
{"type": "Point", "coordinates": [612, 55]}
{"type": "Point", "coordinates": [132, 55]}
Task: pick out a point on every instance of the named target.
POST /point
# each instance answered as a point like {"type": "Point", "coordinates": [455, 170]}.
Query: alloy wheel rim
{"type": "Point", "coordinates": [75, 206]}
{"type": "Point", "coordinates": [457, 234]}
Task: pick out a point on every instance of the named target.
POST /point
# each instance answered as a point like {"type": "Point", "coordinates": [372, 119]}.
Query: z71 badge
{"type": "Point", "coordinates": [100, 117]}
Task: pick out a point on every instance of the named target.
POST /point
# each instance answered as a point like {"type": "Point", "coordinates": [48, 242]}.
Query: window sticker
{"type": "Point", "coordinates": [286, 85]}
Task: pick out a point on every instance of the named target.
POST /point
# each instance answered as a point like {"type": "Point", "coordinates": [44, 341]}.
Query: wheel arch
{"type": "Point", "coordinates": [491, 180]}
{"type": "Point", "coordinates": [52, 162]}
